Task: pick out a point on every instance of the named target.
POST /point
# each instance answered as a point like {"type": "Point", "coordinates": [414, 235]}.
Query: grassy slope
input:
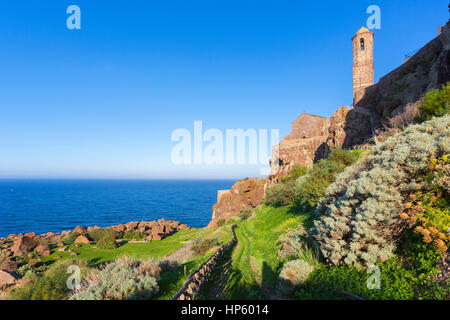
{"type": "Point", "coordinates": [170, 281]}
{"type": "Point", "coordinates": [255, 265]}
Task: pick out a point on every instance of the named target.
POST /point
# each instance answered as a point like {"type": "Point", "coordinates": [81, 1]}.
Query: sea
{"type": "Point", "coordinates": [42, 206]}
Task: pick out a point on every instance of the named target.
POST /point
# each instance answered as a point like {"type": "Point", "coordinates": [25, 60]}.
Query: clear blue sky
{"type": "Point", "coordinates": [102, 102]}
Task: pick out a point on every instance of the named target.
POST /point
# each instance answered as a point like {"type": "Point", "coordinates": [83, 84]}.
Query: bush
{"type": "Point", "coordinates": [107, 242]}
{"type": "Point", "coordinates": [97, 234]}
{"type": "Point", "coordinates": [437, 103]}
{"type": "Point", "coordinates": [123, 279]}
{"type": "Point", "coordinates": [311, 188]}
{"type": "Point", "coordinates": [295, 173]}
{"type": "Point", "coordinates": [360, 214]}
{"type": "Point", "coordinates": [290, 243]}
{"type": "Point", "coordinates": [200, 247]}
{"type": "Point", "coordinates": [220, 222]}
{"type": "Point", "coordinates": [133, 234]}
{"type": "Point", "coordinates": [406, 276]}
{"type": "Point", "coordinates": [245, 213]}
{"type": "Point", "coordinates": [294, 273]}
{"type": "Point", "coordinates": [281, 194]}
{"type": "Point", "coordinates": [52, 285]}
{"type": "Point", "coordinates": [70, 239]}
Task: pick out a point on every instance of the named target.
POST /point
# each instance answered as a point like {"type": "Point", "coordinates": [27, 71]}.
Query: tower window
{"type": "Point", "coordinates": [361, 42]}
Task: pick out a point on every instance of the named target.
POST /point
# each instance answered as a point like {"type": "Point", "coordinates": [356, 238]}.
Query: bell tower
{"type": "Point", "coordinates": [363, 72]}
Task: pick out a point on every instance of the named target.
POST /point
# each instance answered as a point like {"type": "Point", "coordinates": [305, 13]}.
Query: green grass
{"type": "Point", "coordinates": [137, 250]}
{"type": "Point", "coordinates": [170, 282]}
{"type": "Point", "coordinates": [255, 266]}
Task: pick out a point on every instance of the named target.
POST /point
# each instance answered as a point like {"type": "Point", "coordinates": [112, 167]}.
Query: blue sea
{"type": "Point", "coordinates": [54, 205]}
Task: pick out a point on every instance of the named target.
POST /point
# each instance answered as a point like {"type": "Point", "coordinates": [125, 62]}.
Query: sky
{"type": "Point", "coordinates": [103, 101]}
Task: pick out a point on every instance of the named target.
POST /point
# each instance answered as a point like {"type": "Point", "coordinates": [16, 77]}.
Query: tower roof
{"type": "Point", "coordinates": [362, 30]}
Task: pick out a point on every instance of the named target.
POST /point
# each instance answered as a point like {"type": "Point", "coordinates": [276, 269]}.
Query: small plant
{"type": "Point", "coordinates": [437, 103]}
{"type": "Point", "coordinates": [202, 246]}
{"type": "Point", "coordinates": [123, 279]}
{"type": "Point", "coordinates": [245, 213]}
{"type": "Point", "coordinates": [294, 273]}
{"type": "Point", "coordinates": [282, 194]}
{"type": "Point", "coordinates": [70, 239]}
{"type": "Point", "coordinates": [107, 242]}
{"type": "Point", "coordinates": [220, 222]}
{"type": "Point", "coordinates": [295, 173]}
{"type": "Point", "coordinates": [134, 235]}
{"type": "Point", "coordinates": [97, 234]}
{"type": "Point", "coordinates": [52, 285]}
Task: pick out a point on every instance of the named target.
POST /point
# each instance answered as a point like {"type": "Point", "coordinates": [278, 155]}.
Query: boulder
{"type": "Point", "coordinates": [149, 238]}
{"type": "Point", "coordinates": [30, 234]}
{"type": "Point", "coordinates": [156, 237]}
{"type": "Point", "coordinates": [10, 266]}
{"type": "Point", "coordinates": [82, 239]}
{"type": "Point", "coordinates": [23, 245]}
{"type": "Point", "coordinates": [80, 229]}
{"type": "Point", "coordinates": [32, 263]}
{"type": "Point", "coordinates": [6, 279]}
{"type": "Point", "coordinates": [120, 228]}
{"type": "Point", "coordinates": [43, 250]}
{"type": "Point", "coordinates": [131, 225]}
{"type": "Point", "coordinates": [62, 249]}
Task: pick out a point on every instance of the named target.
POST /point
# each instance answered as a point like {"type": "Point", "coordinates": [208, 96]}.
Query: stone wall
{"type": "Point", "coordinates": [199, 277]}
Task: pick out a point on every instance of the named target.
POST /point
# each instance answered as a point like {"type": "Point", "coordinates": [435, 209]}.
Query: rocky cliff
{"type": "Point", "coordinates": [246, 193]}
{"type": "Point", "coordinates": [312, 137]}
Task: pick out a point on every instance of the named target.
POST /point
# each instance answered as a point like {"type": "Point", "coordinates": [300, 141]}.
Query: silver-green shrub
{"type": "Point", "coordinates": [294, 273]}
{"type": "Point", "coordinates": [123, 279]}
{"type": "Point", "coordinates": [359, 214]}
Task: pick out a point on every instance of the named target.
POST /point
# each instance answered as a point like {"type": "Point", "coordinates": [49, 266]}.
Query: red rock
{"type": "Point", "coordinates": [6, 279]}
{"type": "Point", "coordinates": [33, 262]}
{"type": "Point", "coordinates": [131, 225]}
{"type": "Point", "coordinates": [156, 237]}
{"type": "Point", "coordinates": [82, 239]}
{"type": "Point", "coordinates": [9, 266]}
{"type": "Point", "coordinates": [30, 234]}
{"type": "Point", "coordinates": [66, 233]}
{"type": "Point", "coordinates": [23, 245]}
{"type": "Point", "coordinates": [23, 282]}
{"type": "Point", "coordinates": [92, 228]}
{"type": "Point", "coordinates": [149, 238]}
{"type": "Point", "coordinates": [120, 228]}
{"type": "Point", "coordinates": [80, 229]}
{"type": "Point", "coordinates": [43, 250]}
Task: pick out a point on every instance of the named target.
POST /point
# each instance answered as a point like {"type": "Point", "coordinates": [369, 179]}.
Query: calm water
{"type": "Point", "coordinates": [55, 205]}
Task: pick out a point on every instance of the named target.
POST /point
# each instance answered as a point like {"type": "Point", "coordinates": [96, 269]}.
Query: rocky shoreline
{"type": "Point", "coordinates": [18, 250]}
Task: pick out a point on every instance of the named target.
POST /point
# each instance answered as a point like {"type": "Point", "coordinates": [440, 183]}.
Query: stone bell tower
{"type": "Point", "coordinates": [363, 74]}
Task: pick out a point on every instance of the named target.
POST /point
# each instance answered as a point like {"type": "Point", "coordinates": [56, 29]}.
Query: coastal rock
{"type": "Point", "coordinates": [32, 263]}
{"type": "Point", "coordinates": [23, 245]}
{"type": "Point", "coordinates": [245, 193]}
{"type": "Point", "coordinates": [120, 228]}
{"type": "Point", "coordinates": [82, 239]}
{"type": "Point", "coordinates": [156, 237]}
{"type": "Point", "coordinates": [9, 266]}
{"type": "Point", "coordinates": [80, 229]}
{"type": "Point", "coordinates": [6, 279]}
{"type": "Point", "coordinates": [132, 225]}
{"type": "Point", "coordinates": [43, 250]}
{"type": "Point", "coordinates": [149, 238]}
